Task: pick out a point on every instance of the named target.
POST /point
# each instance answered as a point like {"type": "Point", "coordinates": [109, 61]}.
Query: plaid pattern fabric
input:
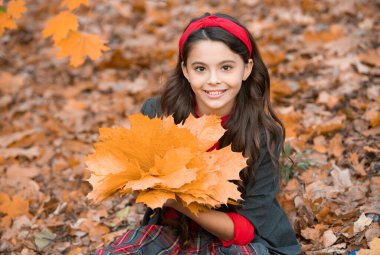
{"type": "Point", "coordinates": [158, 240]}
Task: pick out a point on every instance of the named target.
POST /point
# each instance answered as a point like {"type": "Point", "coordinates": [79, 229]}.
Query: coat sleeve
{"type": "Point", "coordinates": [151, 108]}
{"type": "Point", "coordinates": [260, 206]}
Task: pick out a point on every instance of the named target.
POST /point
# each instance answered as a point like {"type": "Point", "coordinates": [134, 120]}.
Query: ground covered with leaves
{"type": "Point", "coordinates": [324, 61]}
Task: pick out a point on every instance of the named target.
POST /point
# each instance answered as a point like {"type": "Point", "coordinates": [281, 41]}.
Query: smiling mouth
{"type": "Point", "coordinates": [215, 92]}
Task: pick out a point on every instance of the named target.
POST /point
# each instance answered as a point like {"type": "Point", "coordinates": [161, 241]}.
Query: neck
{"type": "Point", "coordinates": [221, 113]}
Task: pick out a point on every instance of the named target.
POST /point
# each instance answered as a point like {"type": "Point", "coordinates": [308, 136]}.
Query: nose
{"type": "Point", "coordinates": [213, 79]}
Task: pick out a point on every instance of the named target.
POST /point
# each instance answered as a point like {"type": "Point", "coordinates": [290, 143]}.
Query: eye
{"type": "Point", "coordinates": [199, 68]}
{"type": "Point", "coordinates": [226, 68]}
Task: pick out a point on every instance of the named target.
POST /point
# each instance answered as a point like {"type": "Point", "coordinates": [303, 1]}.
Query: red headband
{"type": "Point", "coordinates": [214, 21]}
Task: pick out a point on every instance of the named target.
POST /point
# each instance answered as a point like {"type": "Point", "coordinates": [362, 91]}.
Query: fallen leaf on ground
{"type": "Point", "coordinates": [13, 207]}
{"type": "Point", "coordinates": [361, 223]}
{"type": "Point", "coordinates": [73, 4]}
{"type": "Point", "coordinates": [328, 238]}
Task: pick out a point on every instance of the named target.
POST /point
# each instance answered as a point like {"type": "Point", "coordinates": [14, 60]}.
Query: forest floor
{"type": "Point", "coordinates": [324, 63]}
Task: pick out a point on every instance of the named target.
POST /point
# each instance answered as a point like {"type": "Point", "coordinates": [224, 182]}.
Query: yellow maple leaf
{"type": "Point", "coordinates": [165, 161]}
{"type": "Point", "coordinates": [73, 4]}
{"type": "Point", "coordinates": [154, 198]}
{"type": "Point", "coordinates": [78, 45]}
{"type": "Point", "coordinates": [206, 130]}
{"type": "Point", "coordinates": [60, 26]}
{"type": "Point", "coordinates": [6, 22]}
{"type": "Point", "coordinates": [14, 207]}
{"type": "Point", "coordinates": [16, 8]}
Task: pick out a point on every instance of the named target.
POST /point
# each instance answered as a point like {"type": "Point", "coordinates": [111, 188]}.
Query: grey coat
{"type": "Point", "coordinates": [260, 207]}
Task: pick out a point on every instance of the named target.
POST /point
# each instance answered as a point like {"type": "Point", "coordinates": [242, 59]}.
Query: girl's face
{"type": "Point", "coordinates": [215, 74]}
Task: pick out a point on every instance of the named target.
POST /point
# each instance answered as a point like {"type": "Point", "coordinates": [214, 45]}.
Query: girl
{"type": "Point", "coordinates": [220, 72]}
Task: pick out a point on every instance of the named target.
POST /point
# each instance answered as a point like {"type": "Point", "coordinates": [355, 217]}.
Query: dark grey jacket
{"type": "Point", "coordinates": [260, 207]}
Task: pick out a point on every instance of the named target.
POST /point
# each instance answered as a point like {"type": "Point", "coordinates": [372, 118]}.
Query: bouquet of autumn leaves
{"type": "Point", "coordinates": [161, 161]}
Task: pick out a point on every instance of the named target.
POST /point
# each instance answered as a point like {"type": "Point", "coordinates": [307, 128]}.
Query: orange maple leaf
{"type": "Point", "coordinates": [6, 22]}
{"type": "Point", "coordinates": [1, 2]}
{"type": "Point", "coordinates": [14, 207]}
{"type": "Point", "coordinates": [16, 8]}
{"type": "Point", "coordinates": [60, 26]}
{"type": "Point", "coordinates": [77, 46]}
{"type": "Point", "coordinates": [73, 4]}
{"type": "Point", "coordinates": [165, 161]}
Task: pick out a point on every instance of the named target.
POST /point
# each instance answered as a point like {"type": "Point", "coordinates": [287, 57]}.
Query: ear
{"type": "Point", "coordinates": [184, 70]}
{"type": "Point", "coordinates": [247, 69]}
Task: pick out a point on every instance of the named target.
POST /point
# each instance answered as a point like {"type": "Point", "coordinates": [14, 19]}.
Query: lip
{"type": "Point", "coordinates": [217, 93]}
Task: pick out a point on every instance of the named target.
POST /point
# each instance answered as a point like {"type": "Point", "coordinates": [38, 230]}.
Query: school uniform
{"type": "Point", "coordinates": [273, 233]}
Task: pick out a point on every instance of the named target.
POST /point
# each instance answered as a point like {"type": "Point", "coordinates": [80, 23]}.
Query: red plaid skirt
{"type": "Point", "coordinates": [156, 239]}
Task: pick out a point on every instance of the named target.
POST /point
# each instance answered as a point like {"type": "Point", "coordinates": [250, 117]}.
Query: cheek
{"type": "Point", "coordinates": [235, 81]}
{"type": "Point", "coordinates": [236, 78]}
{"type": "Point", "coordinates": [197, 80]}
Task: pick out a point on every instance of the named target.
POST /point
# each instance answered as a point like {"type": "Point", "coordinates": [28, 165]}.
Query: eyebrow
{"type": "Point", "coordinates": [223, 62]}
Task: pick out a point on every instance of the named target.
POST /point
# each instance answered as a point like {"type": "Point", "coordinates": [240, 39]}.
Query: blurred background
{"type": "Point", "coordinates": [324, 63]}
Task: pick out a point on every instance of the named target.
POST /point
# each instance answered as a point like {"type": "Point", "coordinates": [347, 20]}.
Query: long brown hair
{"type": "Point", "coordinates": [252, 113]}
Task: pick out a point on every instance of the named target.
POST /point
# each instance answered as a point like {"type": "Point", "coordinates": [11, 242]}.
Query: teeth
{"type": "Point", "coordinates": [214, 92]}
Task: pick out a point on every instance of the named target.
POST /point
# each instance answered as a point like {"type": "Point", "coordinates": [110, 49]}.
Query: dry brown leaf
{"type": "Point", "coordinates": [273, 58]}
{"type": "Point", "coordinates": [311, 175]}
{"type": "Point", "coordinates": [373, 116]}
{"type": "Point", "coordinates": [332, 125]}
{"type": "Point", "coordinates": [328, 99]}
{"type": "Point", "coordinates": [8, 139]}
{"type": "Point", "coordinates": [22, 186]}
{"type": "Point", "coordinates": [320, 144]}
{"type": "Point", "coordinates": [372, 232]}
{"type": "Point", "coordinates": [17, 171]}
{"type": "Point", "coordinates": [359, 168]}
{"type": "Point", "coordinates": [335, 32]}
{"type": "Point", "coordinates": [310, 233]}
{"type": "Point", "coordinates": [341, 178]}
{"type": "Point", "coordinates": [336, 148]}
{"type": "Point", "coordinates": [371, 149]}
{"type": "Point", "coordinates": [75, 251]}
{"type": "Point", "coordinates": [292, 123]}
{"type": "Point", "coordinates": [328, 238]}
{"type": "Point", "coordinates": [7, 78]}
{"type": "Point", "coordinates": [359, 104]}
{"type": "Point", "coordinates": [14, 152]}
{"type": "Point", "coordinates": [372, 132]}
{"type": "Point", "coordinates": [362, 223]}
{"type": "Point", "coordinates": [94, 229]}
{"type": "Point", "coordinates": [372, 57]}
{"type": "Point", "coordinates": [280, 89]}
